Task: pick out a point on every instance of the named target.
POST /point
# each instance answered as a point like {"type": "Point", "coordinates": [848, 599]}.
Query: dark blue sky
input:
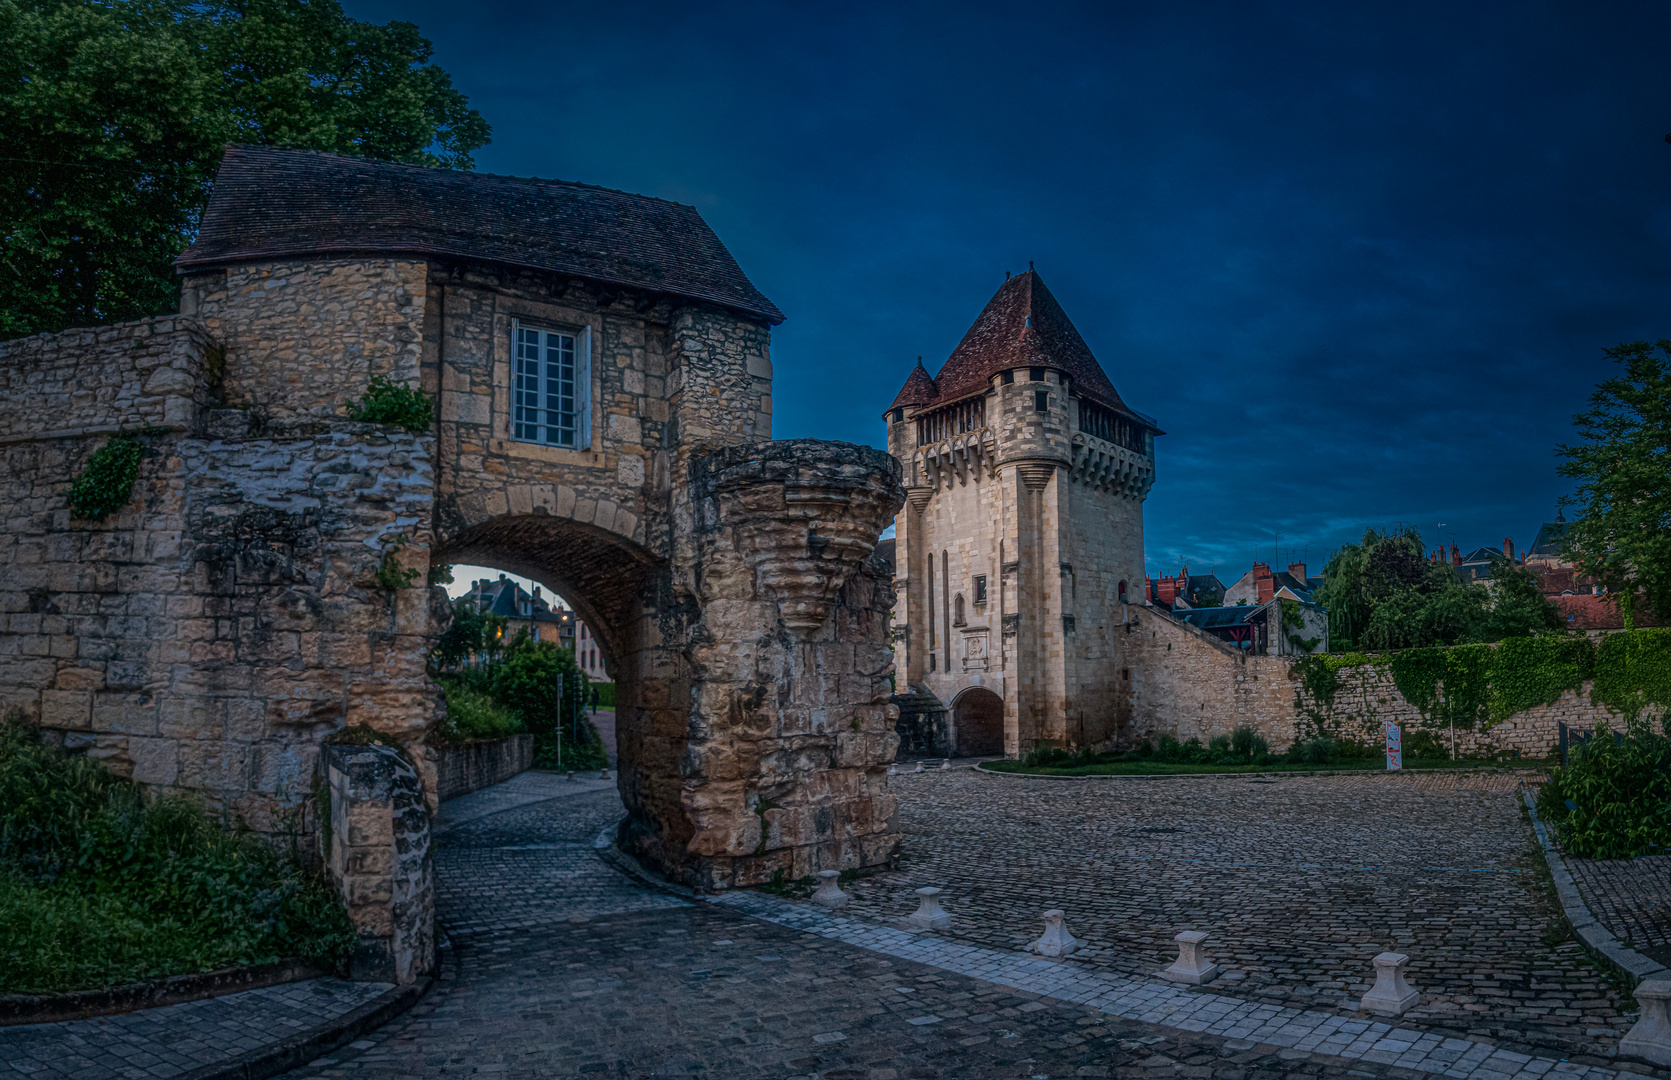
{"type": "Point", "coordinates": [1359, 260]}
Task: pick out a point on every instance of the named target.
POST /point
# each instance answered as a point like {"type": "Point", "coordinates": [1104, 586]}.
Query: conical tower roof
{"type": "Point", "coordinates": [919, 388]}
{"type": "Point", "coordinates": [1023, 326]}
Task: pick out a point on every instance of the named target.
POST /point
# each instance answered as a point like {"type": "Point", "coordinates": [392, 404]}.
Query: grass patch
{"type": "Point", "coordinates": [101, 884]}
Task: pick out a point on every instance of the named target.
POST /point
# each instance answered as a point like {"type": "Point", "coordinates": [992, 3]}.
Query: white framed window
{"type": "Point", "coordinates": [551, 386]}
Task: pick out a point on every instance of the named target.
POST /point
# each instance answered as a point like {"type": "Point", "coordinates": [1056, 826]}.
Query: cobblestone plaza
{"type": "Point", "coordinates": [560, 966]}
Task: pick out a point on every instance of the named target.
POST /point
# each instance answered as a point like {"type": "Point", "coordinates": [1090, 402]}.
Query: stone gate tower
{"type": "Point", "coordinates": [1019, 553]}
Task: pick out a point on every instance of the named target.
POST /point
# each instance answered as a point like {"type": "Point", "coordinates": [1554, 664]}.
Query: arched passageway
{"type": "Point", "coordinates": [979, 716]}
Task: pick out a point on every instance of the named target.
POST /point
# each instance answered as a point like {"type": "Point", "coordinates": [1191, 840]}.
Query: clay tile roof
{"type": "Point", "coordinates": [919, 388]}
{"type": "Point", "coordinates": [1024, 326]}
{"type": "Point", "coordinates": [270, 203]}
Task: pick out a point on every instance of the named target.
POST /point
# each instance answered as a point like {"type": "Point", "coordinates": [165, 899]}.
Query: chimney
{"type": "Point", "coordinates": [1298, 570]}
{"type": "Point", "coordinates": [1508, 549]}
{"type": "Point", "coordinates": [1456, 555]}
{"type": "Point", "coordinates": [1263, 583]}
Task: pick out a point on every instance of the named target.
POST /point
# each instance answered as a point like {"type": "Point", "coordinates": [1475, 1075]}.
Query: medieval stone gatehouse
{"type": "Point", "coordinates": [1019, 553]}
{"type": "Point", "coordinates": [600, 368]}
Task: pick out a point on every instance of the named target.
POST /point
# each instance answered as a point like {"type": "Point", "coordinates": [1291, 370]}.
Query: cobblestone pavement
{"type": "Point", "coordinates": [753, 986]}
{"type": "Point", "coordinates": [1631, 897]}
{"type": "Point", "coordinates": [1299, 880]}
{"type": "Point", "coordinates": [175, 1039]}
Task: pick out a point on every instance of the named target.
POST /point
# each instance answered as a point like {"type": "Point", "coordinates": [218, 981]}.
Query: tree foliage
{"type": "Point", "coordinates": [113, 116]}
{"type": "Point", "coordinates": [1622, 533]}
{"type": "Point", "coordinates": [1384, 593]}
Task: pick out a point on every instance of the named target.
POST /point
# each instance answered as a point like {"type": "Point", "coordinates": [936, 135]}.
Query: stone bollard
{"type": "Point", "coordinates": [1651, 1037]}
{"type": "Point", "coordinates": [893, 770]}
{"type": "Point", "coordinates": [929, 914]}
{"type": "Point", "coordinates": [1191, 966]}
{"type": "Point", "coordinates": [571, 774]}
{"type": "Point", "coordinates": [919, 767]}
{"type": "Point", "coordinates": [829, 894]}
{"type": "Point", "coordinates": [603, 774]}
{"type": "Point", "coordinates": [1391, 995]}
{"type": "Point", "coordinates": [945, 763]}
{"type": "Point", "coordinates": [1056, 940]}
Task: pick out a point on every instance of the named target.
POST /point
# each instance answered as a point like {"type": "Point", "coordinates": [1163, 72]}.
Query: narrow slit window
{"type": "Point", "coordinates": [1041, 401]}
{"type": "Point", "coordinates": [980, 589]}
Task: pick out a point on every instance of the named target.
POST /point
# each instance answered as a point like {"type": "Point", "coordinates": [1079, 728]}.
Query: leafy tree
{"type": "Point", "coordinates": [543, 683]}
{"type": "Point", "coordinates": [1384, 593]}
{"type": "Point", "coordinates": [1622, 533]}
{"type": "Point", "coordinates": [113, 117]}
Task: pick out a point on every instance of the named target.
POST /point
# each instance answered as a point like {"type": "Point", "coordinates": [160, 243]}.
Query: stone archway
{"type": "Point", "coordinates": [979, 716]}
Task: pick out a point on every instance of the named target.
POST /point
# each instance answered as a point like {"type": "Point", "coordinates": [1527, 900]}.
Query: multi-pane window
{"type": "Point", "coordinates": [550, 386]}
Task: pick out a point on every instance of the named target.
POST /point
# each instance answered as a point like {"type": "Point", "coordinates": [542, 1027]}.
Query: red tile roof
{"type": "Point", "coordinates": [919, 388]}
{"type": "Point", "coordinates": [270, 203]}
{"type": "Point", "coordinates": [1021, 326]}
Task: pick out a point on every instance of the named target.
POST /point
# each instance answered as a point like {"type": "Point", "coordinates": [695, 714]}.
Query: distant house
{"type": "Point", "coordinates": [1259, 630]}
{"type": "Point", "coordinates": [1261, 585]}
{"type": "Point", "coordinates": [523, 610]}
{"type": "Point", "coordinates": [1185, 590]}
{"type": "Point", "coordinates": [1546, 550]}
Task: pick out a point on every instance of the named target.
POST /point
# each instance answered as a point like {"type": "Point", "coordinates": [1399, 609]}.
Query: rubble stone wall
{"type": "Point", "coordinates": [134, 375]}
{"type": "Point", "coordinates": [1191, 685]}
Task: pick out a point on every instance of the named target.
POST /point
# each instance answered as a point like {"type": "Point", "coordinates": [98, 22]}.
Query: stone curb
{"type": "Point", "coordinates": [150, 994]}
{"type": "Point", "coordinates": [1585, 926]}
{"type": "Point", "coordinates": [305, 1046]}
{"type": "Point", "coordinates": [1257, 775]}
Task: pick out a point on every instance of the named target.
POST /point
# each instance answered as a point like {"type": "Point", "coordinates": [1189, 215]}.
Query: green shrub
{"type": "Point", "coordinates": [1614, 800]}
{"type": "Point", "coordinates": [1425, 746]}
{"type": "Point", "coordinates": [101, 884]}
{"type": "Point", "coordinates": [1318, 751]}
{"type": "Point", "coordinates": [473, 715]}
{"type": "Point", "coordinates": [389, 402]}
{"type": "Point", "coordinates": [105, 483]}
{"type": "Point", "coordinates": [544, 685]}
{"type": "Point", "coordinates": [1248, 743]}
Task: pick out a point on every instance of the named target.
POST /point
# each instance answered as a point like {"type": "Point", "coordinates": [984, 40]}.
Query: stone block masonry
{"type": "Point", "coordinates": [1188, 684]}
{"type": "Point", "coordinates": [380, 862]}
{"type": "Point", "coordinates": [473, 766]}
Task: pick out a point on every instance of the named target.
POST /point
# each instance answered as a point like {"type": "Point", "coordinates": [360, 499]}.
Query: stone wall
{"type": "Point", "coordinates": [302, 339]}
{"type": "Point", "coordinates": [1190, 685]}
{"type": "Point", "coordinates": [379, 860]}
{"type": "Point", "coordinates": [1365, 698]}
{"type": "Point", "coordinates": [135, 375]}
{"type": "Point", "coordinates": [459, 770]}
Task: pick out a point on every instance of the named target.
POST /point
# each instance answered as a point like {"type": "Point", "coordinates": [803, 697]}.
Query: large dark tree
{"type": "Point", "coordinates": [113, 117]}
{"type": "Point", "coordinates": [1622, 533]}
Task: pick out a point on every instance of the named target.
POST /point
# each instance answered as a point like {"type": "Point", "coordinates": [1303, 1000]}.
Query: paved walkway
{"type": "Point", "coordinates": [176, 1039]}
{"type": "Point", "coordinates": [1631, 897]}
{"type": "Point", "coordinates": [588, 973]}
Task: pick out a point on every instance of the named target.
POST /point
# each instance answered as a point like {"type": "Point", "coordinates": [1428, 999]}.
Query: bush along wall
{"type": "Point", "coordinates": [1502, 700]}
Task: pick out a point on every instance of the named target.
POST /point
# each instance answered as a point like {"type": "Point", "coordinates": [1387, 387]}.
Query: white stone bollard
{"type": "Point", "coordinates": [603, 774]}
{"type": "Point", "coordinates": [1391, 995]}
{"type": "Point", "coordinates": [829, 894]}
{"type": "Point", "coordinates": [919, 767]}
{"type": "Point", "coordinates": [1056, 940]}
{"type": "Point", "coordinates": [893, 770]}
{"type": "Point", "coordinates": [1191, 966]}
{"type": "Point", "coordinates": [945, 763]}
{"type": "Point", "coordinates": [929, 914]}
{"type": "Point", "coordinates": [1651, 1037]}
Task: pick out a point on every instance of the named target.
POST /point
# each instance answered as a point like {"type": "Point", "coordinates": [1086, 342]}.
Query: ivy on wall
{"type": "Point", "coordinates": [1482, 685]}
{"type": "Point", "coordinates": [105, 483]}
{"type": "Point", "coordinates": [1633, 671]}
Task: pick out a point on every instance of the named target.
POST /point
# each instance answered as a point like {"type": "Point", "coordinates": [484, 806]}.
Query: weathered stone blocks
{"type": "Point", "coordinates": [379, 860]}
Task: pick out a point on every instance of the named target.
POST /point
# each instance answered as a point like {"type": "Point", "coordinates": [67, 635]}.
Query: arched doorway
{"type": "Point", "coordinates": [979, 715]}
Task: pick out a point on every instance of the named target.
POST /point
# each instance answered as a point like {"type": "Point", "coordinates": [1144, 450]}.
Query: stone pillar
{"type": "Point", "coordinates": [787, 735]}
{"type": "Point", "coordinates": [379, 861]}
{"type": "Point", "coordinates": [910, 561]}
{"type": "Point", "coordinates": [1032, 585]}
